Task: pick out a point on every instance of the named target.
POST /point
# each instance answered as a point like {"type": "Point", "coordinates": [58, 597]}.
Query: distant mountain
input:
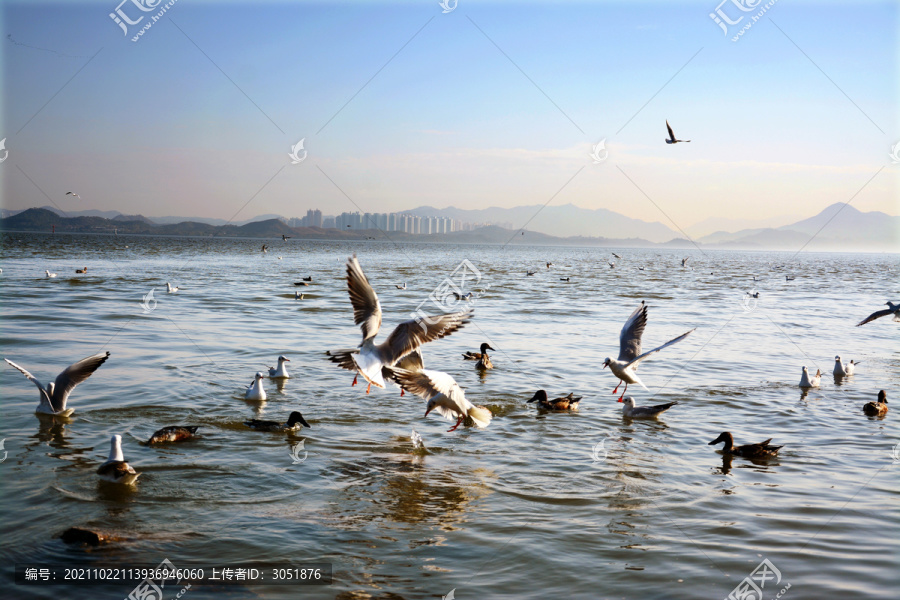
{"type": "Point", "coordinates": [838, 227]}
{"type": "Point", "coordinates": [208, 221]}
{"type": "Point", "coordinates": [717, 225]}
{"type": "Point", "coordinates": [560, 221]}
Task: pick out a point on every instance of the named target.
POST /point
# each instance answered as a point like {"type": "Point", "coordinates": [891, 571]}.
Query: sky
{"type": "Point", "coordinates": [401, 105]}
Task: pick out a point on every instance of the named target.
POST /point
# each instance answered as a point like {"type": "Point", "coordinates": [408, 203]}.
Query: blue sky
{"type": "Point", "coordinates": [154, 127]}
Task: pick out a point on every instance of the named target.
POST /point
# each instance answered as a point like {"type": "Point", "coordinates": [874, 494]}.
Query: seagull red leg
{"type": "Point", "coordinates": [369, 387]}
{"type": "Point", "coordinates": [354, 380]}
{"type": "Point", "coordinates": [458, 421]}
{"type": "Point", "coordinates": [402, 392]}
{"type": "Point", "coordinates": [624, 390]}
{"type": "Point", "coordinates": [617, 387]}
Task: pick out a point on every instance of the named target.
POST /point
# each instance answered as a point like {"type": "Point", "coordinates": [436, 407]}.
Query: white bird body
{"type": "Point", "coordinates": [842, 370]}
{"type": "Point", "coordinates": [55, 395]}
{"type": "Point", "coordinates": [170, 289]}
{"type": "Point", "coordinates": [115, 469]}
{"type": "Point", "coordinates": [50, 275]}
{"type": "Point", "coordinates": [280, 372]}
{"type": "Point", "coordinates": [807, 382]}
{"type": "Point", "coordinates": [255, 391]}
{"type": "Point", "coordinates": [444, 396]}
{"type": "Point", "coordinates": [630, 355]}
{"type": "Point", "coordinates": [643, 412]}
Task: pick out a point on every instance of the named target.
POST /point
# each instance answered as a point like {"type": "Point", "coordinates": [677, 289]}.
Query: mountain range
{"type": "Point", "coordinates": [838, 227]}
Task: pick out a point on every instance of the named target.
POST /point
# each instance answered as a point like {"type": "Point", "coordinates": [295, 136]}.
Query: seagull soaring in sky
{"type": "Point", "coordinates": [672, 139]}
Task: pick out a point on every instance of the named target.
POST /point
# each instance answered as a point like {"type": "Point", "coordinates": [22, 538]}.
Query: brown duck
{"type": "Point", "coordinates": [569, 402]}
{"type": "Point", "coordinates": [175, 433]}
{"type": "Point", "coordinates": [759, 450]}
{"type": "Point", "coordinates": [879, 408]}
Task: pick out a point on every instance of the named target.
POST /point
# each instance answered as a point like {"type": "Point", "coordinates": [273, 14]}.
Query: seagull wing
{"type": "Point", "coordinates": [366, 308]}
{"type": "Point", "coordinates": [671, 133]}
{"type": "Point", "coordinates": [409, 335]}
{"type": "Point", "coordinates": [428, 384]}
{"type": "Point", "coordinates": [412, 361]}
{"type": "Point", "coordinates": [875, 315]}
{"type": "Point", "coordinates": [630, 338]}
{"type": "Point", "coordinates": [655, 350]}
{"type": "Point", "coordinates": [45, 397]}
{"type": "Point", "coordinates": [75, 374]}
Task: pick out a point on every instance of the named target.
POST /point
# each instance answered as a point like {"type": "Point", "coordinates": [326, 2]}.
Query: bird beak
{"type": "Point", "coordinates": [305, 424]}
{"type": "Point", "coordinates": [605, 365]}
{"type": "Point", "coordinates": [428, 411]}
{"type": "Point", "coordinates": [287, 360]}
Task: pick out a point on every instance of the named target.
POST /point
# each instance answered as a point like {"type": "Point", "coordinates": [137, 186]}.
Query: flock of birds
{"type": "Point", "coordinates": [399, 359]}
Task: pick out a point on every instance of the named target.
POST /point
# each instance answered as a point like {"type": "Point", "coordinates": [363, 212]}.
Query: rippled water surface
{"type": "Point", "coordinates": [531, 507]}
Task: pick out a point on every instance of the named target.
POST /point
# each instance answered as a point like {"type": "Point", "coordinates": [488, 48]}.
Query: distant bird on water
{"type": "Point", "coordinates": [81, 271]}
{"type": "Point", "coordinates": [877, 409]}
{"type": "Point", "coordinates": [569, 402]}
{"type": "Point", "coordinates": [671, 139]}
{"type": "Point", "coordinates": [842, 370]}
{"type": "Point", "coordinates": [809, 382]}
{"type": "Point", "coordinates": [563, 278]}
{"type": "Point", "coordinates": [477, 355]}
{"type": "Point", "coordinates": [265, 248]}
{"type": "Point", "coordinates": [255, 390]}
{"type": "Point", "coordinates": [170, 289]}
{"type": "Point", "coordinates": [892, 309]}
{"type": "Point", "coordinates": [630, 355]}
{"type": "Point", "coordinates": [643, 412]}
{"type": "Point", "coordinates": [280, 372]}
{"type": "Point", "coordinates": [285, 237]}
{"type": "Point", "coordinates": [760, 450]}
{"type": "Point", "coordinates": [175, 433]}
{"type": "Point", "coordinates": [50, 275]}
{"type": "Point", "coordinates": [400, 286]}
{"type": "Point", "coordinates": [295, 421]}
{"type": "Point", "coordinates": [55, 395]}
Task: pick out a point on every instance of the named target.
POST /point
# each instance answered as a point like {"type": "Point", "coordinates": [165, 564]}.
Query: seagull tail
{"type": "Point", "coordinates": [480, 415]}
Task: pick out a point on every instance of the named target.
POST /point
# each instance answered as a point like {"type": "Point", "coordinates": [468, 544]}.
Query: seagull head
{"type": "Point", "coordinates": [628, 402]}
{"type": "Point", "coordinates": [804, 369]}
{"type": "Point", "coordinates": [259, 376]}
{"type": "Point", "coordinates": [540, 395]}
{"type": "Point", "coordinates": [283, 359]}
{"type": "Point", "coordinates": [837, 359]}
{"type": "Point", "coordinates": [430, 406]}
{"type": "Point", "coordinates": [606, 362]}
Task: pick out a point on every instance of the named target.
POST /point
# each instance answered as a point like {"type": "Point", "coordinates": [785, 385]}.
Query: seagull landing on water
{"type": "Point", "coordinates": [671, 139]}
{"type": "Point", "coordinates": [55, 395]}
{"type": "Point", "coordinates": [630, 349]}
{"type": "Point", "coordinates": [444, 396]}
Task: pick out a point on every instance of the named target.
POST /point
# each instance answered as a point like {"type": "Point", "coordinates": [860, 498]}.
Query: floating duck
{"type": "Point", "coordinates": [842, 370]}
{"type": "Point", "coordinates": [56, 394]}
{"type": "Point", "coordinates": [529, 273]}
{"type": "Point", "coordinates": [301, 283]}
{"type": "Point", "coordinates": [115, 469]}
{"type": "Point", "coordinates": [307, 278]}
{"type": "Point", "coordinates": [401, 286]}
{"type": "Point", "coordinates": [565, 403]}
{"type": "Point", "coordinates": [50, 275]}
{"type": "Point", "coordinates": [81, 271]}
{"type": "Point", "coordinates": [255, 391]}
{"type": "Point", "coordinates": [563, 278]}
{"type": "Point", "coordinates": [643, 412]}
{"type": "Point", "coordinates": [807, 382]}
{"type": "Point", "coordinates": [280, 372]}
{"type": "Point", "coordinates": [299, 296]}
{"type": "Point", "coordinates": [759, 450]}
{"type": "Point", "coordinates": [294, 422]}
{"type": "Point", "coordinates": [477, 355]}
{"type": "Point", "coordinates": [879, 408]}
{"type": "Point", "coordinates": [444, 396]}
{"type": "Point", "coordinates": [175, 433]}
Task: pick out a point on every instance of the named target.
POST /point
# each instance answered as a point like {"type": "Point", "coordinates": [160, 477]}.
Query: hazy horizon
{"type": "Point", "coordinates": [492, 104]}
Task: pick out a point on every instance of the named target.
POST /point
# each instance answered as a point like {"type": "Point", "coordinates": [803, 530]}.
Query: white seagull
{"type": "Point", "coordinates": [281, 371]}
{"type": "Point", "coordinates": [406, 337]}
{"type": "Point", "coordinates": [892, 309]}
{"type": "Point", "coordinates": [643, 412]}
{"type": "Point", "coordinates": [684, 262]}
{"type": "Point", "coordinates": [55, 395]}
{"type": "Point", "coordinates": [444, 396]}
{"type": "Point", "coordinates": [842, 370]}
{"type": "Point", "coordinates": [630, 349]}
{"type": "Point", "coordinates": [50, 275]}
{"type": "Point", "coordinates": [170, 289]}
{"type": "Point", "coordinates": [73, 194]}
{"type": "Point", "coordinates": [115, 468]}
{"type": "Point", "coordinates": [807, 382]}
{"type": "Point", "coordinates": [255, 390]}
{"type": "Point", "coordinates": [671, 139]}
{"type": "Point", "coordinates": [401, 287]}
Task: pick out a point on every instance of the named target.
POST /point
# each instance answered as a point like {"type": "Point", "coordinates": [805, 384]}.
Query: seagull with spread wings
{"type": "Point", "coordinates": [406, 337]}
{"type": "Point", "coordinates": [55, 395]}
{"type": "Point", "coordinates": [892, 309]}
{"type": "Point", "coordinates": [630, 355]}
{"type": "Point", "coordinates": [671, 139]}
{"type": "Point", "coordinates": [444, 396]}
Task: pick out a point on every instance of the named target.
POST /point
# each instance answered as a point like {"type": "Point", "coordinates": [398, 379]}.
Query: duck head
{"type": "Point", "coordinates": [295, 418]}
{"type": "Point", "coordinates": [882, 397]}
{"type": "Point", "coordinates": [724, 437]}
{"type": "Point", "coordinates": [540, 396]}
{"type": "Point", "coordinates": [485, 347]}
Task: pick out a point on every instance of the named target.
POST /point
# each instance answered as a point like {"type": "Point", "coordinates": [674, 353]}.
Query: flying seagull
{"type": "Point", "coordinates": [55, 395]}
{"type": "Point", "coordinates": [892, 309]}
{"type": "Point", "coordinates": [406, 337]}
{"type": "Point", "coordinates": [265, 248]}
{"type": "Point", "coordinates": [444, 396]}
{"type": "Point", "coordinates": [73, 194]}
{"type": "Point", "coordinates": [286, 237]}
{"type": "Point", "coordinates": [630, 349]}
{"type": "Point", "coordinates": [671, 139]}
